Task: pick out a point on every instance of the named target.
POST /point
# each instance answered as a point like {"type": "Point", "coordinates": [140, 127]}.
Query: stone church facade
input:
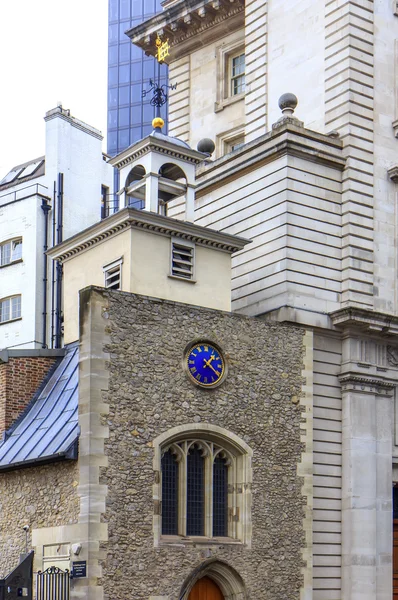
{"type": "Point", "coordinates": [303, 427]}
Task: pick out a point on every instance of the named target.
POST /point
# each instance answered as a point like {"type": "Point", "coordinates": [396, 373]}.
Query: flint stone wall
{"type": "Point", "coordinates": [149, 393]}
{"type": "Point", "coordinates": [39, 497]}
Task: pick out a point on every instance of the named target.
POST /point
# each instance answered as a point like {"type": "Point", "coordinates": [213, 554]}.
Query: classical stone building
{"type": "Point", "coordinates": [317, 195]}
{"type": "Point", "coordinates": [169, 451]}
{"type": "Point", "coordinates": [301, 432]}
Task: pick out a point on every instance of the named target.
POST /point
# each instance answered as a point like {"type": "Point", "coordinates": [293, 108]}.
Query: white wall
{"type": "Point", "coordinates": [76, 152]}
{"type": "Point", "coordinates": [73, 149]}
{"type": "Point", "coordinates": [296, 59]}
{"type": "Point", "coordinates": [20, 219]}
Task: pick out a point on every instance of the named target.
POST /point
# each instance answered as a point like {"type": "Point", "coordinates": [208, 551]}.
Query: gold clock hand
{"type": "Point", "coordinates": [208, 364]}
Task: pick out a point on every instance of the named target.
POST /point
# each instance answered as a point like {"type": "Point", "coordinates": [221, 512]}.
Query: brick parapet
{"type": "Point", "coordinates": [20, 378]}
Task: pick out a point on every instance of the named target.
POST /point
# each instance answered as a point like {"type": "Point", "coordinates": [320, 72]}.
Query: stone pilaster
{"type": "Point", "coordinates": [93, 381]}
{"type": "Point", "coordinates": [256, 68]}
{"type": "Point", "coordinates": [366, 487]}
{"type": "Point", "coordinates": [349, 107]}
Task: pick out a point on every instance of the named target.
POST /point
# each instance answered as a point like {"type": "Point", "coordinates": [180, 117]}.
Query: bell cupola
{"type": "Point", "coordinates": [157, 170]}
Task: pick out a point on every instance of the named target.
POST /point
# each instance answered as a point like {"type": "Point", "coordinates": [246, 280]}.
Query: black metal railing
{"type": "Point", "coordinates": [53, 584]}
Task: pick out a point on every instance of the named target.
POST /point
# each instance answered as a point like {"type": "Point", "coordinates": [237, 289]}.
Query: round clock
{"type": "Point", "coordinates": [205, 364]}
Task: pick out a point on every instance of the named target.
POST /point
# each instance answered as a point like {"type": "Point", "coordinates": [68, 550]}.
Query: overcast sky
{"type": "Point", "coordinates": [50, 52]}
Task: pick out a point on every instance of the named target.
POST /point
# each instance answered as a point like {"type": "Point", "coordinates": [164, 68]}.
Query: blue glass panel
{"type": "Point", "coordinates": [124, 74]}
{"type": "Point", "coordinates": [124, 114]}
{"type": "Point", "coordinates": [136, 53]}
{"type": "Point", "coordinates": [112, 55]}
{"type": "Point", "coordinates": [136, 70]}
{"type": "Point", "coordinates": [112, 118]}
{"type": "Point", "coordinates": [136, 8]}
{"type": "Point", "coordinates": [136, 114]}
{"type": "Point", "coordinates": [124, 52]}
{"type": "Point", "coordinates": [149, 112]}
{"type": "Point", "coordinates": [123, 138]}
{"type": "Point", "coordinates": [149, 8]}
{"type": "Point", "coordinates": [122, 28]}
{"type": "Point", "coordinates": [124, 95]}
{"type": "Point", "coordinates": [135, 133]}
{"type": "Point", "coordinates": [112, 76]}
{"type": "Point", "coordinates": [113, 10]}
{"type": "Point", "coordinates": [124, 9]}
{"type": "Point", "coordinates": [136, 94]}
{"type": "Point", "coordinates": [113, 33]}
{"type": "Point", "coordinates": [149, 69]}
{"type": "Point", "coordinates": [112, 97]}
{"type": "Point", "coordinates": [147, 129]}
{"type": "Point", "coordinates": [112, 141]}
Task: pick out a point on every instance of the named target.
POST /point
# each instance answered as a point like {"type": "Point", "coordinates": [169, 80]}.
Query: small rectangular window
{"type": "Point", "coordinates": [182, 260]}
{"type": "Point", "coordinates": [237, 70]}
{"type": "Point", "coordinates": [113, 275]}
{"type": "Point", "coordinates": [10, 308]}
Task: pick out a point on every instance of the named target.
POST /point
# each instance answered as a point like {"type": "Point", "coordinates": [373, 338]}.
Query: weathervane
{"type": "Point", "coordinates": [160, 95]}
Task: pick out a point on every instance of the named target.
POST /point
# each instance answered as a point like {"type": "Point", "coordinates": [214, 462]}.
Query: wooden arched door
{"type": "Point", "coordinates": [205, 589]}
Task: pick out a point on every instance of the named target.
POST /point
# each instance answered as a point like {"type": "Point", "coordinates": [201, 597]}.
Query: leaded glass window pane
{"type": "Point", "coordinates": [195, 491]}
{"type": "Point", "coordinates": [220, 497]}
{"type": "Point", "coordinates": [169, 494]}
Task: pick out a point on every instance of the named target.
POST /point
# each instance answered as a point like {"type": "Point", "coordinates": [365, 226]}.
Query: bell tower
{"type": "Point", "coordinates": [157, 170]}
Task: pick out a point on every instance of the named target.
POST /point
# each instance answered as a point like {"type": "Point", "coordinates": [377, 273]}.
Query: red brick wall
{"type": "Point", "coordinates": [20, 377]}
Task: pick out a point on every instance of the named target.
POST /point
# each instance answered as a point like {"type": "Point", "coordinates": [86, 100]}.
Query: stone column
{"type": "Point", "coordinates": [366, 487]}
{"type": "Point", "coordinates": [152, 193]}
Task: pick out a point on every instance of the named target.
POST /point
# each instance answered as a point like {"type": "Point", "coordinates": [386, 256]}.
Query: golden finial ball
{"type": "Point", "coordinates": [157, 123]}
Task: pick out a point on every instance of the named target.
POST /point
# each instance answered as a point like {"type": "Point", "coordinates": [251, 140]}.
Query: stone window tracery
{"type": "Point", "coordinates": [203, 489]}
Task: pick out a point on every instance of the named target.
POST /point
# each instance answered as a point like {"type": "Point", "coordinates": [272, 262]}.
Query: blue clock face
{"type": "Point", "coordinates": [205, 364]}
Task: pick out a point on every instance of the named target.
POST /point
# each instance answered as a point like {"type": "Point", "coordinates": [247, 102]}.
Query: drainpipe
{"type": "Point", "coordinates": [53, 272]}
{"type": "Point", "coordinates": [58, 308]}
{"type": "Point", "coordinates": [46, 209]}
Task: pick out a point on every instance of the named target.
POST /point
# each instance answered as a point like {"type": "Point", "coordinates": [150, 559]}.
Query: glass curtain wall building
{"type": "Point", "coordinates": [129, 71]}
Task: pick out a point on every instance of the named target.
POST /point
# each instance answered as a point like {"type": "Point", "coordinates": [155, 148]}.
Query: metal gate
{"type": "Point", "coordinates": [53, 584]}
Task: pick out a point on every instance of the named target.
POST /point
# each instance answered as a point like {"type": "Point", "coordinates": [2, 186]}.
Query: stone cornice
{"type": "Point", "coordinates": [154, 144]}
{"type": "Point", "coordinates": [354, 382]}
{"type": "Point", "coordinates": [188, 25]}
{"type": "Point", "coordinates": [286, 139]}
{"type": "Point", "coordinates": [368, 320]}
{"type": "Point", "coordinates": [140, 219]}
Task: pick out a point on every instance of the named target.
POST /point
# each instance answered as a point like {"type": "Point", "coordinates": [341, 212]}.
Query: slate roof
{"type": "Point", "coordinates": [48, 429]}
{"type": "Point", "coordinates": [25, 172]}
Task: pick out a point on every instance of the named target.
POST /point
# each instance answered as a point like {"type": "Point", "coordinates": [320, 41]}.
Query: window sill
{"type": "Point", "coordinates": [10, 321]}
{"type": "Point", "coordinates": [219, 106]}
{"type": "Point", "coordinates": [178, 541]}
{"type": "Point", "coordinates": [13, 262]}
{"type": "Point", "coordinates": [181, 278]}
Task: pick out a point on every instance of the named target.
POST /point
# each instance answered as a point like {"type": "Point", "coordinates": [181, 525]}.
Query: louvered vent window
{"type": "Point", "coordinates": [113, 275]}
{"type": "Point", "coordinates": [182, 260]}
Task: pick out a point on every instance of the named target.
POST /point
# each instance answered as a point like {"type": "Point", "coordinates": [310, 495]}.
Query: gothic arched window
{"type": "Point", "coordinates": [204, 487]}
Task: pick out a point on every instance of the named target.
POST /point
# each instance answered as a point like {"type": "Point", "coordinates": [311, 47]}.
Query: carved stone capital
{"type": "Point", "coordinates": [352, 382]}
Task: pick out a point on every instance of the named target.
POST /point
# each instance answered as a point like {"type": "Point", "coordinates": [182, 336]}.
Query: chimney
{"type": "Point", "coordinates": [22, 373]}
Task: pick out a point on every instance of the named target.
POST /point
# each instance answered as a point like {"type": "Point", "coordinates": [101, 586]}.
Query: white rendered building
{"type": "Point", "coordinates": [42, 202]}
{"type": "Point", "coordinates": [317, 195]}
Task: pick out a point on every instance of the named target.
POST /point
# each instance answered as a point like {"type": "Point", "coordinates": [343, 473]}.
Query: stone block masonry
{"type": "Point", "coordinates": [260, 402]}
